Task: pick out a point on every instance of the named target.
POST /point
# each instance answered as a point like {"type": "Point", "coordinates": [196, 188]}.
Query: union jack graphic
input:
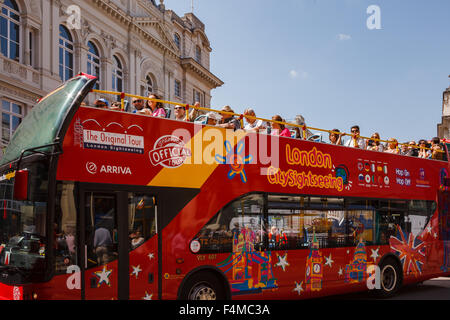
{"type": "Point", "coordinates": [410, 250]}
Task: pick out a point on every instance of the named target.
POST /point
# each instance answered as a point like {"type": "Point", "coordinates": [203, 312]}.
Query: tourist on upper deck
{"type": "Point", "coordinates": [212, 118]}
{"type": "Point", "coordinates": [374, 143]}
{"type": "Point", "coordinates": [117, 106]}
{"type": "Point", "coordinates": [180, 113]}
{"type": "Point", "coordinates": [139, 106]}
{"type": "Point", "coordinates": [392, 146]}
{"type": "Point", "coordinates": [101, 103]}
{"type": "Point", "coordinates": [228, 120]}
{"type": "Point", "coordinates": [404, 147]}
{"type": "Point", "coordinates": [436, 149]}
{"type": "Point", "coordinates": [335, 138]}
{"type": "Point", "coordinates": [156, 107]}
{"type": "Point", "coordinates": [412, 150]}
{"type": "Point", "coordinates": [423, 153]}
{"type": "Point", "coordinates": [356, 141]}
{"type": "Point", "coordinates": [279, 129]}
{"type": "Point", "coordinates": [252, 124]}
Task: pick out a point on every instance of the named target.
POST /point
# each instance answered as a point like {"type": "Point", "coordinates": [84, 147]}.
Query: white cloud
{"type": "Point", "coordinates": [344, 37]}
{"type": "Point", "coordinates": [295, 74]}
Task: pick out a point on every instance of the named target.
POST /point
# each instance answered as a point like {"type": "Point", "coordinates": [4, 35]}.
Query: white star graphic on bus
{"type": "Point", "coordinates": [136, 270]}
{"type": "Point", "coordinates": [151, 256]}
{"type": "Point", "coordinates": [375, 254]}
{"type": "Point", "coordinates": [104, 276]}
{"type": "Point", "coordinates": [429, 228]}
{"type": "Point", "coordinates": [147, 296]}
{"type": "Point", "coordinates": [329, 261]}
{"type": "Point", "coordinates": [282, 262]}
{"type": "Point", "coordinates": [340, 272]}
{"type": "Point", "coordinates": [298, 287]}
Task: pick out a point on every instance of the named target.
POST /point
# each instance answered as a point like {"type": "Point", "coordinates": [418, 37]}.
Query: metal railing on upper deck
{"type": "Point", "coordinates": [304, 128]}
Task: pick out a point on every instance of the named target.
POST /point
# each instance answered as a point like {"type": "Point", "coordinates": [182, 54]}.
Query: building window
{"type": "Point", "coordinates": [117, 75]}
{"type": "Point", "coordinates": [198, 97]}
{"type": "Point", "coordinates": [149, 87]}
{"type": "Point", "coordinates": [31, 48]}
{"type": "Point", "coordinates": [198, 54]}
{"type": "Point", "coordinates": [12, 114]}
{"type": "Point", "coordinates": [93, 63]}
{"type": "Point", "coordinates": [65, 54]}
{"type": "Point", "coordinates": [10, 29]}
{"type": "Point", "coordinates": [177, 40]}
{"type": "Point", "coordinates": [177, 89]}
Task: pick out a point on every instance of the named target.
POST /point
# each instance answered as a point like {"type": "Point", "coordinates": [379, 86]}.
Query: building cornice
{"type": "Point", "coordinates": [191, 65]}
{"type": "Point", "coordinates": [138, 24]}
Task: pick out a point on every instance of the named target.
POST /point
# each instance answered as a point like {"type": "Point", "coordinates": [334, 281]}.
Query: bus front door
{"type": "Point", "coordinates": [104, 238]}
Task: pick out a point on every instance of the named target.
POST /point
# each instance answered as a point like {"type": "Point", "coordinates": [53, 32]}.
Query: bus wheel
{"type": "Point", "coordinates": [203, 286]}
{"type": "Point", "coordinates": [391, 278]}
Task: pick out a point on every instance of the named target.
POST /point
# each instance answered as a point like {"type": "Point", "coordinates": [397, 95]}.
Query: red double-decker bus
{"type": "Point", "coordinates": [100, 204]}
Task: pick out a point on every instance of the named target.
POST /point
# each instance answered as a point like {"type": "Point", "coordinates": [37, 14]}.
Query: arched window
{"type": "Point", "coordinates": [117, 75]}
{"type": "Point", "coordinates": [93, 63]}
{"type": "Point", "coordinates": [10, 29]}
{"type": "Point", "coordinates": [65, 54]}
{"type": "Point", "coordinates": [149, 85]}
{"type": "Point", "coordinates": [177, 40]}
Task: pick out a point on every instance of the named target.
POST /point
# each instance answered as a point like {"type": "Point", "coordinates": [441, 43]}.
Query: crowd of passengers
{"type": "Point", "coordinates": [432, 149]}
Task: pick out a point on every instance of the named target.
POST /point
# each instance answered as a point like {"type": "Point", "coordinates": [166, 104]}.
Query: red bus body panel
{"type": "Point", "coordinates": [121, 148]}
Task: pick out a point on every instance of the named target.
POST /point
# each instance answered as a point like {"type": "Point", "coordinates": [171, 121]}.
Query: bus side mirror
{"type": "Point", "coordinates": [21, 185]}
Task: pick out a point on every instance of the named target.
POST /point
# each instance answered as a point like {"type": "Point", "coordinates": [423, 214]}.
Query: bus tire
{"type": "Point", "coordinates": [391, 278]}
{"type": "Point", "coordinates": [203, 285]}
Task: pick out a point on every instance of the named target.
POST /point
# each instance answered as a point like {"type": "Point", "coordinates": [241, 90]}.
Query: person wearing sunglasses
{"type": "Point", "coordinates": [374, 143]}
{"type": "Point", "coordinates": [138, 104]}
{"type": "Point", "coordinates": [180, 113]}
{"type": "Point", "coordinates": [356, 141]}
{"type": "Point", "coordinates": [423, 153]}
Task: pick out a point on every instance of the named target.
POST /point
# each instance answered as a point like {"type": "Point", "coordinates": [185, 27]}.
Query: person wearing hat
{"type": "Point", "coordinates": [228, 120]}
{"type": "Point", "coordinates": [212, 118]}
{"type": "Point", "coordinates": [101, 103]}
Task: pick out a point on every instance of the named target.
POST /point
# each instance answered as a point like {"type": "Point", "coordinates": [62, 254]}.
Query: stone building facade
{"type": "Point", "coordinates": [134, 46]}
{"type": "Point", "coordinates": [443, 129]}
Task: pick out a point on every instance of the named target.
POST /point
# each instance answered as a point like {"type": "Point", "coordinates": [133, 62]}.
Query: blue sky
{"type": "Point", "coordinates": [318, 58]}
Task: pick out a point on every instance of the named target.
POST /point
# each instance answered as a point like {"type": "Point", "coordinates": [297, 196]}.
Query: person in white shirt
{"type": "Point", "coordinates": [355, 141]}
{"type": "Point", "coordinates": [252, 124]}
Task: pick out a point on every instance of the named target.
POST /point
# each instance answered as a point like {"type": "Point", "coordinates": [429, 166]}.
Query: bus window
{"type": "Point", "coordinates": [141, 217]}
{"type": "Point", "coordinates": [294, 220]}
{"type": "Point", "coordinates": [65, 227]}
{"type": "Point", "coordinates": [360, 226]}
{"type": "Point", "coordinates": [419, 214]}
{"type": "Point", "coordinates": [389, 214]}
{"type": "Point", "coordinates": [286, 216]}
{"type": "Point", "coordinates": [237, 224]}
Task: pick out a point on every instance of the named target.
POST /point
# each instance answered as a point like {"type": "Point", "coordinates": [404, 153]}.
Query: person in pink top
{"type": "Point", "coordinates": [156, 108]}
{"type": "Point", "coordinates": [279, 129]}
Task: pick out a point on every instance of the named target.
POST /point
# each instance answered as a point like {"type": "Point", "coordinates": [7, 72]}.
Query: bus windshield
{"type": "Point", "coordinates": [23, 238]}
{"type": "Point", "coordinates": [46, 118]}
